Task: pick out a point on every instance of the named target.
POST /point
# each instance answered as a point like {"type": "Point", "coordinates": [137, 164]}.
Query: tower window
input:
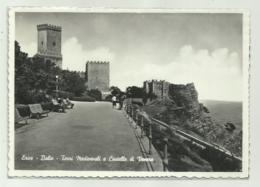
{"type": "Point", "coordinates": [53, 43]}
{"type": "Point", "coordinates": [42, 42]}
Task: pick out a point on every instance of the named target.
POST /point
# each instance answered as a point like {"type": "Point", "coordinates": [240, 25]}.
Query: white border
{"type": "Point", "coordinates": [102, 174]}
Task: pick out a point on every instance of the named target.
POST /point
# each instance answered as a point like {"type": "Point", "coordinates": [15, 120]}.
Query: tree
{"type": "Point", "coordinates": [43, 74]}
{"type": "Point", "coordinates": [21, 79]}
{"type": "Point", "coordinates": [135, 92]}
{"type": "Point", "coordinates": [95, 93]}
{"type": "Point", "coordinates": [34, 77]}
{"type": "Point", "coordinates": [70, 81]}
{"type": "Point", "coordinates": [115, 90]}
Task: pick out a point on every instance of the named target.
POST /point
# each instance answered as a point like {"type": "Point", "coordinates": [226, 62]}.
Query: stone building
{"type": "Point", "coordinates": [160, 88]}
{"type": "Point", "coordinates": [97, 76]}
{"type": "Point", "coordinates": [49, 43]}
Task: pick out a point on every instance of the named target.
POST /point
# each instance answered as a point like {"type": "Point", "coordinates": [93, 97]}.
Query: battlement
{"type": "Point", "coordinates": [48, 27]}
{"type": "Point", "coordinates": [158, 87]}
{"type": "Point", "coordinates": [155, 81]}
{"type": "Point", "coordinates": [97, 62]}
{"type": "Point", "coordinates": [49, 43]}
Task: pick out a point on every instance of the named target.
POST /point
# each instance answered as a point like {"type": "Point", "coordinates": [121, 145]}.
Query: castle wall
{"type": "Point", "coordinates": [54, 42]}
{"type": "Point", "coordinates": [159, 88]}
{"type": "Point", "coordinates": [165, 89]}
{"type": "Point", "coordinates": [97, 75]}
{"type": "Point", "coordinates": [147, 86]}
{"type": "Point", "coordinates": [42, 41]}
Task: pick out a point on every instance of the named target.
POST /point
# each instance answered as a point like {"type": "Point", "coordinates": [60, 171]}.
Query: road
{"type": "Point", "coordinates": [87, 131]}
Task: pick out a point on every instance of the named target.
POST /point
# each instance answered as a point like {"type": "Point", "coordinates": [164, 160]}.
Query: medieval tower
{"type": "Point", "coordinates": [97, 76]}
{"type": "Point", "coordinates": [49, 43]}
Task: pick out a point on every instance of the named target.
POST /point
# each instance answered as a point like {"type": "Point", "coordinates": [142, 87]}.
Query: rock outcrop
{"type": "Point", "coordinates": [182, 110]}
{"type": "Point", "coordinates": [185, 96]}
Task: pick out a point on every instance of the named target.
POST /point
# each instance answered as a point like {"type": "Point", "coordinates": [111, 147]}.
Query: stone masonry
{"type": "Point", "coordinates": [49, 43]}
{"type": "Point", "coordinates": [160, 88]}
{"type": "Point", "coordinates": [97, 76]}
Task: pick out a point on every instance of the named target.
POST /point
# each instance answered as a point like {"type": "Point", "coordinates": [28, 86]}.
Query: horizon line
{"type": "Point", "coordinates": [235, 101]}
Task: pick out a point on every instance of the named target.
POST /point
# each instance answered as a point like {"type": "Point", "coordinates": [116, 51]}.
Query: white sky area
{"type": "Point", "coordinates": [180, 48]}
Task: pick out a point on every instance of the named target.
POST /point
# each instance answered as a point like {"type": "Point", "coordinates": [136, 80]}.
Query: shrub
{"type": "Point", "coordinates": [30, 97]}
{"type": "Point", "coordinates": [38, 97]}
{"type": "Point", "coordinates": [84, 98]}
{"type": "Point", "coordinates": [24, 110]}
{"type": "Point", "coordinates": [23, 97]}
{"type": "Point", "coordinates": [108, 98]}
{"type": "Point", "coordinates": [63, 94]}
{"type": "Point", "coordinates": [95, 93]}
{"type": "Point", "coordinates": [135, 92]}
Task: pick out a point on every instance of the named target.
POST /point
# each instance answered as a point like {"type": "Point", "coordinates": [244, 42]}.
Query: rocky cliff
{"type": "Point", "coordinates": [187, 110]}
{"type": "Point", "coordinates": [183, 111]}
{"type": "Point", "coordinates": [185, 96]}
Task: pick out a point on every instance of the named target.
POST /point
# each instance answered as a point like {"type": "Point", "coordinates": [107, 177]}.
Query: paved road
{"type": "Point", "coordinates": [88, 130]}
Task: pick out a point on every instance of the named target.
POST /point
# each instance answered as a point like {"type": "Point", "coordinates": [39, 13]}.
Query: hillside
{"type": "Point", "coordinates": [208, 121]}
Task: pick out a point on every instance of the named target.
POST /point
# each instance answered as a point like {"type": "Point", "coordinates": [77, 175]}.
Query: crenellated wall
{"type": "Point", "coordinates": [182, 95]}
{"type": "Point", "coordinates": [49, 43]}
{"type": "Point", "coordinates": [159, 88]}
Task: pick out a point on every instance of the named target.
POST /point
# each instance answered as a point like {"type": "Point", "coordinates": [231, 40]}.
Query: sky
{"type": "Point", "coordinates": [205, 49]}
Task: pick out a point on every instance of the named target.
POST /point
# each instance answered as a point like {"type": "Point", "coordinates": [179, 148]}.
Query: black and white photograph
{"type": "Point", "coordinates": [128, 93]}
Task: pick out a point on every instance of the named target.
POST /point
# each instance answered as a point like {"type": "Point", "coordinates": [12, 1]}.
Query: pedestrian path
{"type": "Point", "coordinates": [92, 136]}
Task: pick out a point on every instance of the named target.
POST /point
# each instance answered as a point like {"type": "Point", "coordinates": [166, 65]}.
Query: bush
{"type": "Point", "coordinates": [23, 97]}
{"type": "Point", "coordinates": [38, 97]}
{"type": "Point", "coordinates": [30, 97]}
{"type": "Point", "coordinates": [63, 94]}
{"type": "Point", "coordinates": [95, 93]}
{"type": "Point", "coordinates": [135, 92]}
{"type": "Point", "coordinates": [84, 98]}
{"type": "Point", "coordinates": [108, 98]}
{"type": "Point", "coordinates": [24, 110]}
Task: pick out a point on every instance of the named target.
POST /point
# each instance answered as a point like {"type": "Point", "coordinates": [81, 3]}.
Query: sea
{"type": "Point", "coordinates": [225, 111]}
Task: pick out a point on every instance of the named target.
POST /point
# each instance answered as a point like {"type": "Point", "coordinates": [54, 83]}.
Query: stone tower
{"type": "Point", "coordinates": [49, 43]}
{"type": "Point", "coordinates": [97, 76]}
{"type": "Point", "coordinates": [160, 88]}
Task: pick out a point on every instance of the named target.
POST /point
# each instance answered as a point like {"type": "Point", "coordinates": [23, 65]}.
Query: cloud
{"type": "Point", "coordinates": [216, 74]}
{"type": "Point", "coordinates": [75, 57]}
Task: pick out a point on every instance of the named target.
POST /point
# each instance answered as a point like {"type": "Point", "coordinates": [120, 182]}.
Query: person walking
{"type": "Point", "coordinates": [121, 100]}
{"type": "Point", "coordinates": [114, 101]}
